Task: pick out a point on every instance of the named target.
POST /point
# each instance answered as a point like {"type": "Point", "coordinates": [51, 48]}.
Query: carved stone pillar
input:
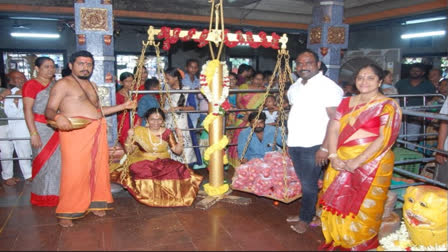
{"type": "Point", "coordinates": [94, 33]}
{"type": "Point", "coordinates": [328, 35]}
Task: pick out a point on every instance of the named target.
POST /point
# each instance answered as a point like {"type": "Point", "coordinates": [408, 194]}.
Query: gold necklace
{"type": "Point", "coordinates": [352, 118]}
{"type": "Point", "coordinates": [154, 145]}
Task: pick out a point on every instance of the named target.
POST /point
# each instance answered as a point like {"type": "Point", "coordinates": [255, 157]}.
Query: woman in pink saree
{"type": "Point", "coordinates": [357, 180]}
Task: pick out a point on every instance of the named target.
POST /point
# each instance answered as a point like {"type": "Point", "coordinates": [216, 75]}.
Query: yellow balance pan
{"type": "Point", "coordinates": [77, 123]}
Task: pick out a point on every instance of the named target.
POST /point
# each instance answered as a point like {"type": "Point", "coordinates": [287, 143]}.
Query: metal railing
{"type": "Point", "coordinates": [414, 111]}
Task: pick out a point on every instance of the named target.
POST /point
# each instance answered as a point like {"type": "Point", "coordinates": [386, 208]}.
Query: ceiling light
{"type": "Point", "coordinates": [424, 20]}
{"type": "Point", "coordinates": [34, 18]}
{"type": "Point", "coordinates": [422, 34]}
{"type": "Point", "coordinates": [35, 35]}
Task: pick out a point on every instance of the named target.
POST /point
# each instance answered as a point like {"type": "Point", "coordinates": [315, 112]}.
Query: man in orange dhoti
{"type": "Point", "coordinates": [85, 184]}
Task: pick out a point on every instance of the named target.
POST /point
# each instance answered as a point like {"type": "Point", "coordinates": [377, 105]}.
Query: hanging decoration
{"type": "Point", "coordinates": [172, 35]}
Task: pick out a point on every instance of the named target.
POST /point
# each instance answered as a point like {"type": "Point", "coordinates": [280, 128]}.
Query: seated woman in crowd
{"type": "Point", "coordinates": [245, 101]}
{"type": "Point", "coordinates": [149, 174]}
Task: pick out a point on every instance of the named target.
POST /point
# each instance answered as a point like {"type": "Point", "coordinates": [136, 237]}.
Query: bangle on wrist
{"type": "Point", "coordinates": [332, 155]}
{"type": "Point", "coordinates": [34, 133]}
{"type": "Point", "coordinates": [323, 149]}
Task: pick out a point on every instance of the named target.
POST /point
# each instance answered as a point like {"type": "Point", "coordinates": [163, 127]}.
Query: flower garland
{"type": "Point", "coordinates": [400, 241]}
{"type": "Point", "coordinates": [165, 34]}
{"type": "Point", "coordinates": [209, 74]}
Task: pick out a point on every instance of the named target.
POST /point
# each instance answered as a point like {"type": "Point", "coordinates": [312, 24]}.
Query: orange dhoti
{"type": "Point", "coordinates": [85, 183]}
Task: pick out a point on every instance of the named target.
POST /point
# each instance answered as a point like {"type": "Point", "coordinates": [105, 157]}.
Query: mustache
{"type": "Point", "coordinates": [258, 129]}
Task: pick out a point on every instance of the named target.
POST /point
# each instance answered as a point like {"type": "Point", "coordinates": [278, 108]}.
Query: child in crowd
{"type": "Point", "coordinates": [271, 110]}
{"type": "Point", "coordinates": [191, 81]}
{"type": "Point", "coordinates": [149, 101]}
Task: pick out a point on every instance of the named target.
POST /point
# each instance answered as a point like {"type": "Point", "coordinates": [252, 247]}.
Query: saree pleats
{"type": "Point", "coordinates": [248, 101]}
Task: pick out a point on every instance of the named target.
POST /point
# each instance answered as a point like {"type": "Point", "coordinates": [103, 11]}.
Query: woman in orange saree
{"type": "Point", "coordinates": [149, 174]}
{"type": "Point", "coordinates": [361, 165]}
{"type": "Point", "coordinates": [245, 101]}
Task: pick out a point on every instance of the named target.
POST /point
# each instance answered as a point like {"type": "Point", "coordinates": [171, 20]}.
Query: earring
{"type": "Point", "coordinates": [162, 125]}
{"type": "Point", "coordinates": [147, 124]}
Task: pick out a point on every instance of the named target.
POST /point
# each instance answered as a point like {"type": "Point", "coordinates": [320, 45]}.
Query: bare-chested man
{"type": "Point", "coordinates": [85, 184]}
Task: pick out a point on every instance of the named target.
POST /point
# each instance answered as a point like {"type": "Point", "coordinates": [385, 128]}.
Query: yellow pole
{"type": "Point", "coordinates": [216, 165]}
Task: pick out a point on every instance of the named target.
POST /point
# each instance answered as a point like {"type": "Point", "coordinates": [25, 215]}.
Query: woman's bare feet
{"type": "Point", "coordinates": [99, 213]}
{"type": "Point", "coordinates": [10, 182]}
{"type": "Point", "coordinates": [65, 223]}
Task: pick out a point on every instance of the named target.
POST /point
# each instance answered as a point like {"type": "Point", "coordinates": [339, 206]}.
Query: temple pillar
{"type": "Point", "coordinates": [328, 35]}
{"type": "Point", "coordinates": [94, 33]}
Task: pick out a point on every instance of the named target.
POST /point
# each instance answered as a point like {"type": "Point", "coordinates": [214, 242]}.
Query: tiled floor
{"type": "Point", "coordinates": [133, 226]}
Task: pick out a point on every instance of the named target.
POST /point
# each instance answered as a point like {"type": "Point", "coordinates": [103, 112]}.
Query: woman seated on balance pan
{"type": "Point", "coordinates": [149, 174]}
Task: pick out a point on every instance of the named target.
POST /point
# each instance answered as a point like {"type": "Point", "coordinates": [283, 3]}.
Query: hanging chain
{"type": "Point", "coordinates": [282, 82]}
{"type": "Point", "coordinates": [284, 71]}
{"type": "Point", "coordinates": [260, 108]}
{"type": "Point", "coordinates": [136, 82]}
{"type": "Point", "coordinates": [161, 76]}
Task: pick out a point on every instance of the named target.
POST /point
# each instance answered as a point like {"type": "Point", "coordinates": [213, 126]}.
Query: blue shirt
{"type": "Point", "coordinates": [404, 87]}
{"type": "Point", "coordinates": [146, 102]}
{"type": "Point", "coordinates": [186, 82]}
{"type": "Point", "coordinates": [257, 149]}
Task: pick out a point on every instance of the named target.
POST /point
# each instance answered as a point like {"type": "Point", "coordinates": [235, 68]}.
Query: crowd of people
{"type": "Point", "coordinates": [342, 134]}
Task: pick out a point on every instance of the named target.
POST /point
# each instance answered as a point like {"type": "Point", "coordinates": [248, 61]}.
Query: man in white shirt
{"type": "Point", "coordinates": [17, 129]}
{"type": "Point", "coordinates": [313, 99]}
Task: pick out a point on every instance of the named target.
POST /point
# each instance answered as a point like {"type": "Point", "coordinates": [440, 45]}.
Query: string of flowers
{"type": "Point", "coordinates": [209, 74]}
{"type": "Point", "coordinates": [400, 241]}
{"type": "Point", "coordinates": [171, 36]}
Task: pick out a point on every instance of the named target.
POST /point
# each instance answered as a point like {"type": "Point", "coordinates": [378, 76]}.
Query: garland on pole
{"type": "Point", "coordinates": [209, 74]}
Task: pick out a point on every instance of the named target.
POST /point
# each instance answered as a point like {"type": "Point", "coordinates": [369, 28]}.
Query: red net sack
{"type": "Point", "coordinates": [267, 177]}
